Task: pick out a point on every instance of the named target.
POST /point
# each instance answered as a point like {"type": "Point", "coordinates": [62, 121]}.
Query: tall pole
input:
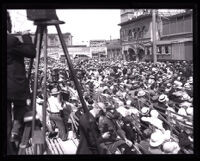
{"type": "Point", "coordinates": [154, 35]}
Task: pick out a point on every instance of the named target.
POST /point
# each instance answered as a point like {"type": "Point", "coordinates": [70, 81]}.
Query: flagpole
{"type": "Point", "coordinates": [154, 35]}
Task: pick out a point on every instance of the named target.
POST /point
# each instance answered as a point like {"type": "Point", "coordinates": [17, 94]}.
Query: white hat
{"type": "Point", "coordinates": [122, 111]}
{"type": "Point", "coordinates": [105, 88]}
{"type": "Point", "coordinates": [144, 110]}
{"type": "Point", "coordinates": [171, 147]}
{"type": "Point", "coordinates": [101, 105]}
{"type": "Point", "coordinates": [157, 123]}
{"type": "Point", "coordinates": [112, 87]}
{"type": "Point", "coordinates": [154, 69]}
{"type": "Point", "coordinates": [178, 83]}
{"type": "Point", "coordinates": [128, 102]}
{"type": "Point", "coordinates": [163, 98]}
{"type": "Point", "coordinates": [154, 113]}
{"type": "Point", "coordinates": [167, 134]}
{"type": "Point", "coordinates": [185, 104]}
{"type": "Point", "coordinates": [146, 119]}
{"type": "Point", "coordinates": [187, 85]}
{"type": "Point", "coordinates": [134, 111]}
{"type": "Point", "coordinates": [156, 138]}
{"type": "Point", "coordinates": [141, 93]}
{"type": "Point", "coordinates": [55, 91]}
{"type": "Point", "coordinates": [185, 96]}
{"type": "Point", "coordinates": [181, 111]}
{"type": "Point", "coordinates": [189, 111]}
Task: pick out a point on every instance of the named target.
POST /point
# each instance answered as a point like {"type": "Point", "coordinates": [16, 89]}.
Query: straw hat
{"type": "Point", "coordinates": [141, 93]}
{"type": "Point", "coordinates": [157, 123]}
{"type": "Point", "coordinates": [163, 98]}
{"type": "Point", "coordinates": [187, 85]}
{"type": "Point", "coordinates": [189, 111]}
{"type": "Point", "coordinates": [178, 83]}
{"type": "Point", "coordinates": [185, 104]}
{"type": "Point", "coordinates": [55, 91]}
{"type": "Point", "coordinates": [128, 102]}
{"type": "Point", "coordinates": [154, 113]}
{"type": "Point", "coordinates": [181, 111]}
{"type": "Point", "coordinates": [145, 110]}
{"type": "Point", "coordinates": [171, 147]}
{"type": "Point", "coordinates": [156, 138]}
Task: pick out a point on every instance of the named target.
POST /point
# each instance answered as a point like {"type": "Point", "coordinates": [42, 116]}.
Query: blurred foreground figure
{"type": "Point", "coordinates": [17, 83]}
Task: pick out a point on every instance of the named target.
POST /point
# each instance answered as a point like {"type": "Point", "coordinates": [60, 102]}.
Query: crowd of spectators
{"type": "Point", "coordinates": [146, 106]}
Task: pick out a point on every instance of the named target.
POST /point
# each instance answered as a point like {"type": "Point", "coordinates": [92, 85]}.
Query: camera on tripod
{"type": "Point", "coordinates": [41, 14]}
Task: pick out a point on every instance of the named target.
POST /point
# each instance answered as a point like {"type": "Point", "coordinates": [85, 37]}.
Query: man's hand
{"type": "Point", "coordinates": [106, 135]}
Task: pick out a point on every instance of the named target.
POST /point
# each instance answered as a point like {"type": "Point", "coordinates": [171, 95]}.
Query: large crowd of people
{"type": "Point", "coordinates": [136, 107]}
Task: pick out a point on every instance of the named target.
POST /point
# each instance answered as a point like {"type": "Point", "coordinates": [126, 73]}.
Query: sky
{"type": "Point", "coordinates": [84, 25]}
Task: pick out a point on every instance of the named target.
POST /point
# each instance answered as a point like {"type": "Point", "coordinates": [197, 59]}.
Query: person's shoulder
{"type": "Point", "coordinates": [11, 37]}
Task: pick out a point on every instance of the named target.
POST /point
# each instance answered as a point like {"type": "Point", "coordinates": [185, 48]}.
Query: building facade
{"type": "Point", "coordinates": [173, 36]}
{"type": "Point", "coordinates": [98, 49]}
{"type": "Point", "coordinates": [114, 50]}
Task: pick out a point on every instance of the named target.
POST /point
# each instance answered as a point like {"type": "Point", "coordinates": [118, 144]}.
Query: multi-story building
{"type": "Point", "coordinates": [114, 51]}
{"type": "Point", "coordinates": [173, 34]}
{"type": "Point", "coordinates": [98, 49]}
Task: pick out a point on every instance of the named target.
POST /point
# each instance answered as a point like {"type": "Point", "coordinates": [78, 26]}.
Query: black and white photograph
{"type": "Point", "coordinates": [99, 81]}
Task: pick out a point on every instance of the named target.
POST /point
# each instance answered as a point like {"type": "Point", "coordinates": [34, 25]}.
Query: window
{"type": "Point", "coordinates": [134, 34]}
{"type": "Point", "coordinates": [149, 51]}
{"type": "Point", "coordinates": [166, 50]}
{"type": "Point", "coordinates": [143, 31]}
{"type": "Point", "coordinates": [139, 33]}
{"type": "Point", "coordinates": [129, 34]}
{"type": "Point", "coordinates": [159, 49]}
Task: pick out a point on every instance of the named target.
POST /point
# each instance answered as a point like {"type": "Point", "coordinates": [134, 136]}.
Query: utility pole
{"type": "Point", "coordinates": [154, 35]}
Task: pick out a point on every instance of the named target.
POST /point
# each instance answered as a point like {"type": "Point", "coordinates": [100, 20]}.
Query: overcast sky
{"type": "Point", "coordinates": [84, 25]}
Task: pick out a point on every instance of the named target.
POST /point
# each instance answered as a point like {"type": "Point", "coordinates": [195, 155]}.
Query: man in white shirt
{"type": "Point", "coordinates": [54, 109]}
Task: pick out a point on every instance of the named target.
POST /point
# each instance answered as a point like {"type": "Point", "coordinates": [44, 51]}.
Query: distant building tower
{"type": "Point", "coordinates": [68, 38]}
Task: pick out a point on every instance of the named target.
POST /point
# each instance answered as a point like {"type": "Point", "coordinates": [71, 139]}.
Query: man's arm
{"type": "Point", "coordinates": [25, 49]}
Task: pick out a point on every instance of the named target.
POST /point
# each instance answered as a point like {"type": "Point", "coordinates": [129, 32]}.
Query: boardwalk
{"type": "Point", "coordinates": [56, 146]}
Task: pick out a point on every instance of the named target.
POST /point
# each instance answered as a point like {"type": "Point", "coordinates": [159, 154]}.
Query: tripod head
{"type": "Point", "coordinates": [43, 16]}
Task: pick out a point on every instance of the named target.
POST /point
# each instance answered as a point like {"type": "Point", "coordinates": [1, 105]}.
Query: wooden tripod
{"type": "Point", "coordinates": [38, 135]}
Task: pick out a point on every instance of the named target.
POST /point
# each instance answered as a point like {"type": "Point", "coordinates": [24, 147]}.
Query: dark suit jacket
{"type": "Point", "coordinates": [87, 143]}
{"type": "Point", "coordinates": [17, 83]}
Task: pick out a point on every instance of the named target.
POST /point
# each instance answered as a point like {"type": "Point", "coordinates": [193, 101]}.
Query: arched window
{"type": "Point", "coordinates": [134, 33]}
{"type": "Point", "coordinates": [139, 33]}
{"type": "Point", "coordinates": [143, 31]}
{"type": "Point", "coordinates": [129, 34]}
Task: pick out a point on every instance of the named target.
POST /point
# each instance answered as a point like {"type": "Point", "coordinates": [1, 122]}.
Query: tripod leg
{"type": "Point", "coordinates": [31, 61]}
{"type": "Point", "coordinates": [38, 50]}
{"type": "Point", "coordinates": [78, 87]}
{"type": "Point", "coordinates": [45, 85]}
{"type": "Point", "coordinates": [25, 139]}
